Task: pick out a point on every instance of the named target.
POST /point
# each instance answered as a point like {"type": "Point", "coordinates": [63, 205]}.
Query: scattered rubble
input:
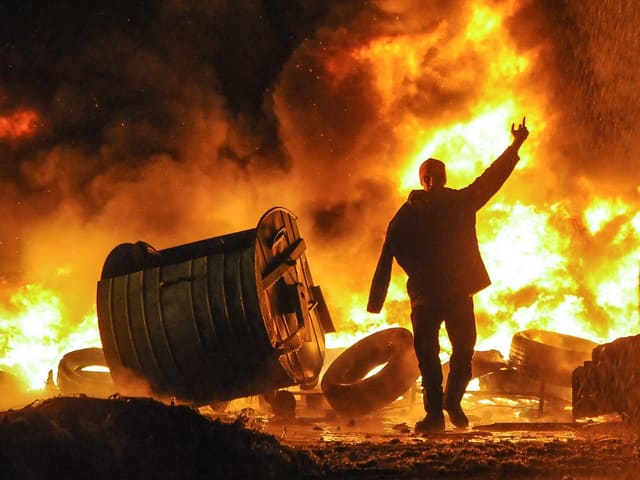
{"type": "Point", "coordinates": [126, 437]}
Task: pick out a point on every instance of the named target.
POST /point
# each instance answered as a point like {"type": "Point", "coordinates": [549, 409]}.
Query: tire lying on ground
{"type": "Point", "coordinates": [350, 388]}
{"type": "Point", "coordinates": [76, 375]}
{"type": "Point", "coordinates": [549, 356]}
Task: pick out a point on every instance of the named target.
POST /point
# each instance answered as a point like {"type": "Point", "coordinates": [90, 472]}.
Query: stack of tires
{"type": "Point", "coordinates": [610, 381]}
{"type": "Point", "coordinates": [539, 361]}
{"type": "Point", "coordinates": [549, 356]}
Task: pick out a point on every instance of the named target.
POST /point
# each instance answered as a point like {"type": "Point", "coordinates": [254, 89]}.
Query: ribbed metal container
{"type": "Point", "coordinates": [222, 318]}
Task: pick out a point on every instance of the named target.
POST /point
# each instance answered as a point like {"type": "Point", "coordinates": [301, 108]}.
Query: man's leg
{"type": "Point", "coordinates": [426, 320]}
{"type": "Point", "coordinates": [461, 328]}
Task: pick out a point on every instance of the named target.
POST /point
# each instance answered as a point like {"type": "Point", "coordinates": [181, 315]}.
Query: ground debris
{"type": "Point", "coordinates": [481, 458]}
{"type": "Point", "coordinates": [80, 437]}
{"type": "Point", "coordinates": [74, 437]}
{"type": "Point", "coordinates": [402, 427]}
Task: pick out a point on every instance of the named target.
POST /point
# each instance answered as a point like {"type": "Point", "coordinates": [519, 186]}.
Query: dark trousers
{"type": "Point", "coordinates": [427, 314]}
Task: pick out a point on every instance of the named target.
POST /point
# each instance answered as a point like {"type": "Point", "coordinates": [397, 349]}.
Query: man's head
{"type": "Point", "coordinates": [432, 173]}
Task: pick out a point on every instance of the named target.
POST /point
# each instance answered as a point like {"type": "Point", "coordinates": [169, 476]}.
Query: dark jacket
{"type": "Point", "coordinates": [433, 238]}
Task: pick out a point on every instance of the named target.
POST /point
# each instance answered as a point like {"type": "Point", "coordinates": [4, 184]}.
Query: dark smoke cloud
{"type": "Point", "coordinates": [119, 85]}
{"type": "Point", "coordinates": [590, 60]}
{"type": "Point", "coordinates": [125, 76]}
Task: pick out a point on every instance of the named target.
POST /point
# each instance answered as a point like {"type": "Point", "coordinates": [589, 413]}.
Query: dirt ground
{"type": "Point", "coordinates": [509, 437]}
{"type": "Point", "coordinates": [75, 437]}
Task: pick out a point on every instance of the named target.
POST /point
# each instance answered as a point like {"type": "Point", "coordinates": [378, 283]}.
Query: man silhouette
{"type": "Point", "coordinates": [433, 238]}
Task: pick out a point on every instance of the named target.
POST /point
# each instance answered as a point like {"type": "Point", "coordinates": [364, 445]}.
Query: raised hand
{"type": "Point", "coordinates": [520, 134]}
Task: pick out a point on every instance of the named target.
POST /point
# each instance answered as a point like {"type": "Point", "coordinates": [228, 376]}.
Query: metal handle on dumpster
{"type": "Point", "coordinates": [283, 262]}
{"type": "Point", "coordinates": [296, 338]}
{"type": "Point", "coordinates": [279, 236]}
{"type": "Point", "coordinates": [320, 305]}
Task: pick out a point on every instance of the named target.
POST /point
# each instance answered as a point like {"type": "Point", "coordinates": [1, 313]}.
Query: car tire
{"type": "Point", "coordinates": [549, 356]}
{"type": "Point", "coordinates": [74, 379]}
{"type": "Point", "coordinates": [349, 388]}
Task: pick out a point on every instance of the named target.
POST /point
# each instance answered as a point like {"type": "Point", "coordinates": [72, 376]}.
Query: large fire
{"type": "Point", "coordinates": [568, 265]}
{"type": "Point", "coordinates": [551, 265]}
{"type": "Point", "coordinates": [35, 332]}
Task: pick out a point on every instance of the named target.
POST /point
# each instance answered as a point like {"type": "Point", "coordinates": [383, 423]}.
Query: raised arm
{"type": "Point", "coordinates": [486, 185]}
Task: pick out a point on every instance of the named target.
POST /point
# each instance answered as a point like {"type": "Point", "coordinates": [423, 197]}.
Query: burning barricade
{"type": "Point", "coordinates": [239, 315]}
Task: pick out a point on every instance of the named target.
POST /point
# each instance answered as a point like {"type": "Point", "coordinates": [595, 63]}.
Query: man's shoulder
{"type": "Point", "coordinates": [401, 216]}
{"type": "Point", "coordinates": [422, 198]}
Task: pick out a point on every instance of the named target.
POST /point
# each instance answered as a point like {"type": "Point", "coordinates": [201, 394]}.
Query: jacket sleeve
{"type": "Point", "coordinates": [487, 185]}
{"type": "Point", "coordinates": [381, 279]}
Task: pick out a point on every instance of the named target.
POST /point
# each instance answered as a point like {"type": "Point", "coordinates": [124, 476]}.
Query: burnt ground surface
{"type": "Point", "coordinates": [131, 438]}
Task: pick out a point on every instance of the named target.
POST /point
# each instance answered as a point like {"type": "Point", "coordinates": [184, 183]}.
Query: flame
{"type": "Point", "coordinates": [561, 266]}
{"type": "Point", "coordinates": [602, 211]}
{"type": "Point", "coordinates": [35, 334]}
{"type": "Point", "coordinates": [18, 124]}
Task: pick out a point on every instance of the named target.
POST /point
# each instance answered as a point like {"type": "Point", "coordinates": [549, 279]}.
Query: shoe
{"type": "Point", "coordinates": [457, 416]}
{"type": "Point", "coordinates": [430, 424]}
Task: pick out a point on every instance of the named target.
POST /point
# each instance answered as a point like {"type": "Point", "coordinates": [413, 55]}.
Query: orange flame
{"type": "Point", "coordinates": [538, 255]}
{"type": "Point", "coordinates": [35, 334]}
{"type": "Point", "coordinates": [556, 264]}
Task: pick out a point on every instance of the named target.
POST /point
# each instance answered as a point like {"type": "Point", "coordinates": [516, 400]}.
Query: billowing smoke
{"type": "Point", "coordinates": [172, 121]}
{"type": "Point", "coordinates": [590, 62]}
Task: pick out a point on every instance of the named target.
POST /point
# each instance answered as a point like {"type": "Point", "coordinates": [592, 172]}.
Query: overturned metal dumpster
{"type": "Point", "coordinates": [217, 319]}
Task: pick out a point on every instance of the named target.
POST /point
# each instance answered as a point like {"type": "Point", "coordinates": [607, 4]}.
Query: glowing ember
{"type": "Point", "coordinates": [18, 124]}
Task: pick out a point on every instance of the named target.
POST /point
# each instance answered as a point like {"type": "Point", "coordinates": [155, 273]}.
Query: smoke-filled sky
{"type": "Point", "coordinates": [171, 121]}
